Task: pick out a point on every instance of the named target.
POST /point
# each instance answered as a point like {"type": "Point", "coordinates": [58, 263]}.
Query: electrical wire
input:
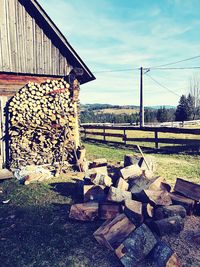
{"type": "Point", "coordinates": [163, 86]}
{"type": "Point", "coordinates": [176, 62]}
{"type": "Point", "coordinates": [106, 71]}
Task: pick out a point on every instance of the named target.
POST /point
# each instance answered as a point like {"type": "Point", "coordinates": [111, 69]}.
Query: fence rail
{"type": "Point", "coordinates": [125, 134]}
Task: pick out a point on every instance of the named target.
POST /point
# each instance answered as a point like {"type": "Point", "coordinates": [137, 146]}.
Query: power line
{"type": "Point", "coordinates": [106, 71]}
{"type": "Point", "coordinates": [175, 62]}
{"type": "Point", "coordinates": [162, 85]}
{"type": "Point", "coordinates": [177, 68]}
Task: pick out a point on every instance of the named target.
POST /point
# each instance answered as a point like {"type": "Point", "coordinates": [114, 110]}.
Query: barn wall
{"type": "Point", "coordinates": [24, 46]}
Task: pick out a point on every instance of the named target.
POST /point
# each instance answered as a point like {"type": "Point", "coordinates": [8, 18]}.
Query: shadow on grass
{"type": "Point", "coordinates": [176, 149]}
{"type": "Point", "coordinates": [42, 234]}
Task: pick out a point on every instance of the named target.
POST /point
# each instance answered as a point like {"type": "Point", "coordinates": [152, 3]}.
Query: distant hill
{"type": "Point", "coordinates": [116, 109]}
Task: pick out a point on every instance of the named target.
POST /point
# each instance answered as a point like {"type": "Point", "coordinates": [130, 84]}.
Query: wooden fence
{"type": "Point", "coordinates": [122, 134]}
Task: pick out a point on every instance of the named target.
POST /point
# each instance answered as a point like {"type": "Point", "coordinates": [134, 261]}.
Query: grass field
{"type": "Point", "coordinates": [120, 111]}
{"type": "Point", "coordinates": [35, 230]}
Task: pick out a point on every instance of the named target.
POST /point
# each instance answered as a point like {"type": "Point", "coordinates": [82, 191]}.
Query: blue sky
{"type": "Point", "coordinates": [115, 35]}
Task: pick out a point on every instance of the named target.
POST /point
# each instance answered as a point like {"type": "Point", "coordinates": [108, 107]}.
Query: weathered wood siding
{"type": "Point", "coordinates": [24, 46]}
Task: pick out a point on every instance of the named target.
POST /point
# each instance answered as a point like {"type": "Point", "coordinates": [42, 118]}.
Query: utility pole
{"type": "Point", "coordinates": [141, 99]}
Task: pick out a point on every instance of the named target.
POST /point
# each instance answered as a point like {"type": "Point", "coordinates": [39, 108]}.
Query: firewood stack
{"type": "Point", "coordinates": [42, 119]}
{"type": "Point", "coordinates": [138, 209]}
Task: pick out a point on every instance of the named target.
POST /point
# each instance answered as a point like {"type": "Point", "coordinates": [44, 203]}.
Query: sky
{"type": "Point", "coordinates": [119, 35]}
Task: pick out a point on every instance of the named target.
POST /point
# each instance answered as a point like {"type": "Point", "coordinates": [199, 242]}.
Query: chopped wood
{"type": "Point", "coordinates": [84, 211]}
{"type": "Point", "coordinates": [154, 197]}
{"type": "Point", "coordinates": [187, 203]}
{"type": "Point", "coordinates": [93, 193]}
{"type": "Point", "coordinates": [169, 225]}
{"type": "Point", "coordinates": [5, 174]}
{"type": "Point", "coordinates": [117, 195]}
{"type": "Point", "coordinates": [169, 211]}
{"type": "Point", "coordinates": [144, 158]}
{"type": "Point", "coordinates": [93, 171]}
{"type": "Point", "coordinates": [98, 163]}
{"type": "Point", "coordinates": [133, 210]}
{"type": "Point", "coordinates": [136, 246]}
{"type": "Point", "coordinates": [101, 179]}
{"type": "Point", "coordinates": [109, 210]}
{"type": "Point", "coordinates": [188, 189]}
{"type": "Point", "coordinates": [122, 184]}
{"type": "Point", "coordinates": [131, 172]}
{"type": "Point", "coordinates": [147, 210]}
{"type": "Point", "coordinates": [112, 233]}
{"type": "Point", "coordinates": [164, 256]}
{"type": "Point", "coordinates": [131, 159]}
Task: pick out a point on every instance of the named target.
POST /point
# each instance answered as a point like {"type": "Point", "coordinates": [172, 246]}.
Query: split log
{"type": "Point", "coordinates": [158, 197]}
{"type": "Point", "coordinates": [169, 211]}
{"type": "Point", "coordinates": [84, 212]}
{"type": "Point", "coordinates": [108, 210]}
{"type": "Point", "coordinates": [98, 163]}
{"type": "Point", "coordinates": [131, 159]}
{"type": "Point", "coordinates": [122, 184]}
{"type": "Point", "coordinates": [169, 225]}
{"type": "Point", "coordinates": [133, 210]}
{"type": "Point", "coordinates": [187, 203]}
{"type": "Point", "coordinates": [164, 256]}
{"type": "Point", "coordinates": [93, 193]}
{"type": "Point", "coordinates": [151, 161]}
{"type": "Point", "coordinates": [118, 195]}
{"type": "Point", "coordinates": [112, 233]}
{"type": "Point", "coordinates": [131, 172]}
{"type": "Point", "coordinates": [147, 210]}
{"type": "Point", "coordinates": [101, 179]}
{"type": "Point", "coordinates": [188, 189]}
{"type": "Point", "coordinates": [136, 247]}
{"type": "Point", "coordinates": [93, 171]}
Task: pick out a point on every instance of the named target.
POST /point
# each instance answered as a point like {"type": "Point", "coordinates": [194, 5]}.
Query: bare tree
{"type": "Point", "coordinates": [194, 91]}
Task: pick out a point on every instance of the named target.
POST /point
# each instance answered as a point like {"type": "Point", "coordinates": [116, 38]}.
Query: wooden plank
{"type": "Point", "coordinates": [105, 134]}
{"type": "Point", "coordinates": [166, 140]}
{"type": "Point", "coordinates": [188, 189]}
{"type": "Point", "coordinates": [145, 129]}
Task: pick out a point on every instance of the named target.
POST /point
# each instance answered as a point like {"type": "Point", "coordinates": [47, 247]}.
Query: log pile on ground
{"type": "Point", "coordinates": [42, 119]}
{"type": "Point", "coordinates": [138, 208]}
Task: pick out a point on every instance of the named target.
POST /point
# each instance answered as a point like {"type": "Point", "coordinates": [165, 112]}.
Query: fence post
{"type": "Point", "coordinates": [104, 134]}
{"type": "Point", "coordinates": [125, 136]}
{"type": "Point", "coordinates": [85, 133]}
{"type": "Point", "coordinates": [156, 140]}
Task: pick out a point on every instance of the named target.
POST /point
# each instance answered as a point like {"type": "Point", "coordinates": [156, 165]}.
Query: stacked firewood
{"type": "Point", "coordinates": [138, 208]}
{"type": "Point", "coordinates": [42, 123]}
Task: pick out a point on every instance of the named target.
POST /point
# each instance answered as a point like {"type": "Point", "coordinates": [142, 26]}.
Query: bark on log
{"type": "Point", "coordinates": [84, 212]}
{"type": "Point", "coordinates": [93, 193]}
{"type": "Point", "coordinates": [112, 233]}
{"type": "Point", "coordinates": [169, 211]}
{"type": "Point", "coordinates": [131, 159]}
{"type": "Point", "coordinates": [158, 197]}
{"type": "Point", "coordinates": [108, 210]}
{"type": "Point", "coordinates": [136, 247]}
{"type": "Point", "coordinates": [188, 189]}
{"type": "Point", "coordinates": [164, 256]}
{"type": "Point", "coordinates": [187, 203]}
{"type": "Point", "coordinates": [118, 195]}
{"type": "Point", "coordinates": [169, 225]}
{"type": "Point", "coordinates": [133, 210]}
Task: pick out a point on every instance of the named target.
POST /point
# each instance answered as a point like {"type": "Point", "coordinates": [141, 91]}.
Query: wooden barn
{"type": "Point", "coordinates": [40, 75]}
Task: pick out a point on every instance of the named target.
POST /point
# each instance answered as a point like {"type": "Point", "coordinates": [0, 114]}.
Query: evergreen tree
{"type": "Point", "coordinates": [162, 114]}
{"type": "Point", "coordinates": [181, 113]}
{"type": "Point", "coordinates": [191, 107]}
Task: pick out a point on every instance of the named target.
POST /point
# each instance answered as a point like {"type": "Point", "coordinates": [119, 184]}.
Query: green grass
{"type": "Point", "coordinates": [35, 230]}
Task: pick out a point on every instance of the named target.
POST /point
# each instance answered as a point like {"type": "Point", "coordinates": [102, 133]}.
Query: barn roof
{"type": "Point", "coordinates": [52, 37]}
